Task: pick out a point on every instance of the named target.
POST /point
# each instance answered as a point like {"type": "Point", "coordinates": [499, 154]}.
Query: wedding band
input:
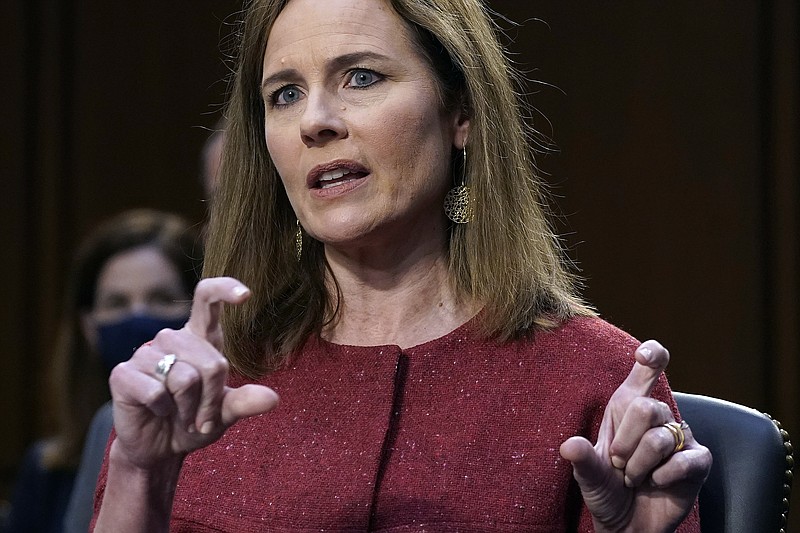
{"type": "Point", "coordinates": [164, 365]}
{"type": "Point", "coordinates": [677, 433]}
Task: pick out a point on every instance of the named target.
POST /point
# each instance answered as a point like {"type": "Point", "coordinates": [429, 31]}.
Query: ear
{"type": "Point", "coordinates": [89, 329]}
{"type": "Point", "coordinates": [461, 126]}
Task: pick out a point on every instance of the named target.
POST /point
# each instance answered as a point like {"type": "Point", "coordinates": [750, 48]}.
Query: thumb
{"type": "Point", "coordinates": [589, 470]}
{"type": "Point", "coordinates": [247, 400]}
{"type": "Point", "coordinates": [601, 484]}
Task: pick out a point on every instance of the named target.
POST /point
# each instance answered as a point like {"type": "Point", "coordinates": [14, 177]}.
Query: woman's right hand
{"type": "Point", "coordinates": [159, 419]}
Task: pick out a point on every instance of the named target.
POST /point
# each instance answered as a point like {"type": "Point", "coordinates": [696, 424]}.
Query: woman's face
{"type": "Point", "coordinates": [138, 293]}
{"type": "Point", "coordinates": [354, 124]}
{"type": "Point", "coordinates": [139, 281]}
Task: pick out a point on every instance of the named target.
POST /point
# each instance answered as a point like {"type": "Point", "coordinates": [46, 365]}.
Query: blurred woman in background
{"type": "Point", "coordinates": [133, 276]}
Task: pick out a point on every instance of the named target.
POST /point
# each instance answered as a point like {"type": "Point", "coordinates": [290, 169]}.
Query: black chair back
{"type": "Point", "coordinates": [750, 481]}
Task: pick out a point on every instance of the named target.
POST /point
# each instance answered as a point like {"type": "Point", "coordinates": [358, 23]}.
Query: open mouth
{"type": "Point", "coordinates": [336, 177]}
{"type": "Point", "coordinates": [336, 173]}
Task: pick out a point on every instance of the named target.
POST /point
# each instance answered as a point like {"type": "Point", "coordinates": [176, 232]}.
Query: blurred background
{"type": "Point", "coordinates": [673, 168]}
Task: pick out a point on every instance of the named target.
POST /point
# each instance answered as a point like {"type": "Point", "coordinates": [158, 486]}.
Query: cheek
{"type": "Point", "coordinates": [279, 153]}
{"type": "Point", "coordinates": [273, 145]}
{"type": "Point", "coordinates": [419, 147]}
{"type": "Point", "coordinates": [407, 138]}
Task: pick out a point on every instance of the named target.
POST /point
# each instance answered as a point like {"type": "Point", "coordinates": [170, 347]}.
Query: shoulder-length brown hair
{"type": "Point", "coordinates": [507, 258]}
{"type": "Point", "coordinates": [79, 383]}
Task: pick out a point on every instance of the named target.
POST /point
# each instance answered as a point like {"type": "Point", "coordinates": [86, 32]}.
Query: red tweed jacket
{"type": "Point", "coordinates": [457, 434]}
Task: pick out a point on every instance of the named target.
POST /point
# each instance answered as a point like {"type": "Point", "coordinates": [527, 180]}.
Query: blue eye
{"type": "Point", "coordinates": [363, 78]}
{"type": "Point", "coordinates": [286, 95]}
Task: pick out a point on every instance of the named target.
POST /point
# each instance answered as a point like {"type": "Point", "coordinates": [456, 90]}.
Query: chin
{"type": "Point", "coordinates": [343, 227]}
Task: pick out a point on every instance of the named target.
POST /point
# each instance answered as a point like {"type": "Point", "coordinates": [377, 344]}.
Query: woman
{"type": "Point", "coordinates": [130, 278]}
{"type": "Point", "coordinates": [430, 370]}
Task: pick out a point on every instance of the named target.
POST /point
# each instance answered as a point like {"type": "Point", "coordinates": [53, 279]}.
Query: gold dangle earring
{"type": "Point", "coordinates": [298, 241]}
{"type": "Point", "coordinates": [459, 206]}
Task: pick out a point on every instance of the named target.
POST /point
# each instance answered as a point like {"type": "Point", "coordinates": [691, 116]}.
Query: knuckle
{"type": "Point", "coordinates": [683, 464]}
{"type": "Point", "coordinates": [182, 382]}
{"type": "Point", "coordinates": [665, 441]}
{"type": "Point", "coordinates": [215, 367]}
{"type": "Point", "coordinates": [119, 373]}
{"type": "Point", "coordinates": [707, 464]}
{"type": "Point", "coordinates": [704, 459]}
{"type": "Point", "coordinates": [620, 449]}
{"type": "Point", "coordinates": [206, 289]}
{"type": "Point", "coordinates": [646, 409]}
{"type": "Point", "coordinates": [664, 412]}
{"type": "Point", "coordinates": [639, 406]}
{"type": "Point", "coordinates": [653, 444]}
{"type": "Point", "coordinates": [167, 336]}
{"type": "Point", "coordinates": [203, 284]}
{"type": "Point", "coordinates": [153, 397]}
{"type": "Point", "coordinates": [694, 464]}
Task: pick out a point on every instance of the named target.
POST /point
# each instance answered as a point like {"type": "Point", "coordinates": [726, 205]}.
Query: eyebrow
{"type": "Point", "coordinates": [335, 64]}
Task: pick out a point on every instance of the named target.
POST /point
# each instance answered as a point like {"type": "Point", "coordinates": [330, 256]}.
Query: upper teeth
{"type": "Point", "coordinates": [333, 174]}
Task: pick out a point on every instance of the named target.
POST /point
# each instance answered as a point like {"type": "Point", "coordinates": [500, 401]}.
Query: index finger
{"type": "Point", "coordinates": [651, 360]}
{"type": "Point", "coordinates": [209, 296]}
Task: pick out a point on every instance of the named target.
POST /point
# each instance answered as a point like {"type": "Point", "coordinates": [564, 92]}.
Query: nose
{"type": "Point", "coordinates": [139, 307]}
{"type": "Point", "coordinates": [322, 120]}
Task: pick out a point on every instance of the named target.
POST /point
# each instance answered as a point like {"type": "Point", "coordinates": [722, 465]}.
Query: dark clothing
{"type": "Point", "coordinates": [79, 510]}
{"type": "Point", "coordinates": [40, 495]}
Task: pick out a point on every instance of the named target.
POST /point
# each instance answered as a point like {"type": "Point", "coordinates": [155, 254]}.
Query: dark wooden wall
{"type": "Point", "coordinates": [106, 106]}
{"type": "Point", "coordinates": [676, 179]}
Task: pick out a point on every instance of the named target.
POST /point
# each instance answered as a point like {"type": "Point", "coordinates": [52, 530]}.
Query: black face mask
{"type": "Point", "coordinates": [117, 340]}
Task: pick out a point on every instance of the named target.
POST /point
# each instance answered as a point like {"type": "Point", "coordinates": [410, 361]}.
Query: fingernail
{"type": "Point", "coordinates": [192, 428]}
{"type": "Point", "coordinates": [240, 290]}
{"type": "Point", "coordinates": [618, 462]}
{"type": "Point", "coordinates": [645, 352]}
{"type": "Point", "coordinates": [207, 427]}
{"type": "Point", "coordinates": [628, 482]}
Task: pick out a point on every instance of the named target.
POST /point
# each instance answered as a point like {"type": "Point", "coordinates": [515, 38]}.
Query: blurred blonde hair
{"type": "Point", "coordinates": [508, 258]}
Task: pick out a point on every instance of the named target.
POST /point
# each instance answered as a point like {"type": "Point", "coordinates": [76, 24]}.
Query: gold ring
{"type": "Point", "coordinates": [164, 365]}
{"type": "Point", "coordinates": [677, 432]}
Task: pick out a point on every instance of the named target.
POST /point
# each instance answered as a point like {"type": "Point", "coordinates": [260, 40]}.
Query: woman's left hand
{"type": "Point", "coordinates": [635, 478]}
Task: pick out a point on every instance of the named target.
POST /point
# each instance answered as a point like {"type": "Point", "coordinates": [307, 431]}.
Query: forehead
{"type": "Point", "coordinates": [137, 269]}
{"type": "Point", "coordinates": [306, 27]}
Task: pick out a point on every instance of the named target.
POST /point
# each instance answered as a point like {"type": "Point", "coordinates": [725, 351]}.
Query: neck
{"type": "Point", "coordinates": [397, 297]}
